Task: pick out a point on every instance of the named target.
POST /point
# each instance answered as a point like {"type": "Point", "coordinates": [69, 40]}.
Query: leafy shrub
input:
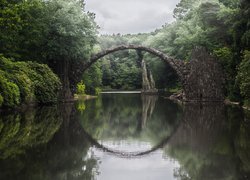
{"type": "Point", "coordinates": [46, 84]}
{"type": "Point", "coordinates": [35, 82]}
{"type": "Point", "coordinates": [17, 72]}
{"type": "Point", "coordinates": [80, 88]}
{"type": "Point", "coordinates": [98, 91]}
{"type": "Point", "coordinates": [9, 91]}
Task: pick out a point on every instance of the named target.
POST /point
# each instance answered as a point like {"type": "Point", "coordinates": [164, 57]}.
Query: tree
{"type": "Point", "coordinates": [56, 32]}
{"type": "Point", "coordinates": [93, 78]}
{"type": "Point", "coordinates": [71, 37]}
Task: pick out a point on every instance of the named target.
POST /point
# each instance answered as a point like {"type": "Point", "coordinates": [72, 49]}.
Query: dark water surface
{"type": "Point", "coordinates": [126, 137]}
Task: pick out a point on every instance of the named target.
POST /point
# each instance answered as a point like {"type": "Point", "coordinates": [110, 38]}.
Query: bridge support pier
{"type": "Point", "coordinates": [204, 82]}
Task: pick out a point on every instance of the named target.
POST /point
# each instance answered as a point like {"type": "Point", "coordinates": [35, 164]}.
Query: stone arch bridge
{"type": "Point", "coordinates": [201, 77]}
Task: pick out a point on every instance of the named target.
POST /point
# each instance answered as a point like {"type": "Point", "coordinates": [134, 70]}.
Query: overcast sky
{"type": "Point", "coordinates": [131, 16]}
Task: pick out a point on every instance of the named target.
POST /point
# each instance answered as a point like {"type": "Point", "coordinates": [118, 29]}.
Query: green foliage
{"type": "Point", "coordinates": [175, 89]}
{"type": "Point", "coordinates": [73, 30]}
{"type": "Point", "coordinates": [93, 78]}
{"type": "Point", "coordinates": [226, 58]}
{"type": "Point", "coordinates": [98, 90]}
{"type": "Point", "coordinates": [243, 77]}
{"type": "Point", "coordinates": [225, 55]}
{"type": "Point", "coordinates": [80, 88]}
{"type": "Point", "coordinates": [221, 26]}
{"type": "Point", "coordinates": [46, 83]}
{"type": "Point", "coordinates": [60, 33]}
{"type": "Point", "coordinates": [122, 70]}
{"type": "Point", "coordinates": [52, 32]}
{"type": "Point", "coordinates": [9, 92]}
{"type": "Point", "coordinates": [45, 30]}
{"type": "Point", "coordinates": [27, 82]}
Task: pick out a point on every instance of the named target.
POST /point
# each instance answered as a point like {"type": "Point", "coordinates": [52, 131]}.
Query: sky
{"type": "Point", "coordinates": [131, 16]}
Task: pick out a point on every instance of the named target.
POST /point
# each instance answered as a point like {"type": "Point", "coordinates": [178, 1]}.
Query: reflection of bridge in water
{"type": "Point", "coordinates": [125, 154]}
{"type": "Point", "coordinates": [199, 125]}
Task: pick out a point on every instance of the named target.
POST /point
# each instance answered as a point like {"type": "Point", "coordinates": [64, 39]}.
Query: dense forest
{"type": "Point", "coordinates": [43, 44]}
{"type": "Point", "coordinates": [222, 26]}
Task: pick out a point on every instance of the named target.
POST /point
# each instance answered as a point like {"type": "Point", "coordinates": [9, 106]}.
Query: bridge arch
{"type": "Point", "coordinates": [201, 78]}
{"type": "Point", "coordinates": [177, 65]}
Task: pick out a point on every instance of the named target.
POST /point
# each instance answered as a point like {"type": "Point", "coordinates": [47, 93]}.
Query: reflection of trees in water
{"type": "Point", "coordinates": [206, 143]}
{"type": "Point", "coordinates": [212, 142]}
{"type": "Point", "coordinates": [66, 155]}
{"type": "Point", "coordinates": [242, 140]}
{"type": "Point", "coordinates": [200, 125]}
{"type": "Point", "coordinates": [121, 117]}
{"type": "Point", "coordinates": [112, 116]}
{"type": "Point", "coordinates": [68, 152]}
{"type": "Point", "coordinates": [158, 130]}
{"type": "Point", "coordinates": [21, 131]}
{"type": "Point", "coordinates": [148, 106]}
{"type": "Point", "coordinates": [63, 157]}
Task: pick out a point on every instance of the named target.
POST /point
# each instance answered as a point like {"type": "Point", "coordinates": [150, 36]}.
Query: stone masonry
{"type": "Point", "coordinates": [201, 77]}
{"type": "Point", "coordinates": [204, 82]}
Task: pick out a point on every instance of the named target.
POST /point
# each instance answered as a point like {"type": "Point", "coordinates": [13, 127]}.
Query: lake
{"type": "Point", "coordinates": [126, 136]}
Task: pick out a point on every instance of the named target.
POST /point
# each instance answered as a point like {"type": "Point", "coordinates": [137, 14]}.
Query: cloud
{"type": "Point", "coordinates": [131, 16]}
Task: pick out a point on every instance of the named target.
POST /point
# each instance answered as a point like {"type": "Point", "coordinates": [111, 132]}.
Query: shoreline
{"type": "Point", "coordinates": [24, 107]}
{"type": "Point", "coordinates": [27, 106]}
{"type": "Point", "coordinates": [83, 97]}
{"type": "Point", "coordinates": [226, 102]}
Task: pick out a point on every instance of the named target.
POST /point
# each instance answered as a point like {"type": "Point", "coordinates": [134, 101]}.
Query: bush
{"type": "Point", "coordinates": [98, 91]}
{"type": "Point", "coordinates": [9, 92]}
{"type": "Point", "coordinates": [46, 84]}
{"type": "Point", "coordinates": [243, 77]}
{"type": "Point", "coordinates": [80, 88]}
{"type": "Point", "coordinates": [27, 82]}
{"type": "Point", "coordinates": [17, 72]}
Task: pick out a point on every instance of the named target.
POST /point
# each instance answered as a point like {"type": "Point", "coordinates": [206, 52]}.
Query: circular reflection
{"type": "Point", "coordinates": [117, 117]}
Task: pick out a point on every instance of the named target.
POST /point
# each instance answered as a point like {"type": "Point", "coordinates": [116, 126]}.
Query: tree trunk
{"type": "Point", "coordinates": [62, 70]}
